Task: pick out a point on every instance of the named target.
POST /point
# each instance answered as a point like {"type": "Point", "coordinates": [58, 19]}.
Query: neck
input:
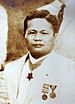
{"type": "Point", "coordinates": [36, 56]}
{"type": "Point", "coordinates": [39, 55]}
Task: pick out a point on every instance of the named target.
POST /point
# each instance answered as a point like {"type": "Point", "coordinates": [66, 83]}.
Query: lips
{"type": "Point", "coordinates": [38, 45]}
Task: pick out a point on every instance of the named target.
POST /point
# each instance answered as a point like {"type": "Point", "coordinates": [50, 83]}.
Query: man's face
{"type": "Point", "coordinates": [39, 37]}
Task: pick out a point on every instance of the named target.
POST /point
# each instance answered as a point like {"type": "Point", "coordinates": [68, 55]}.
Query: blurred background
{"type": "Point", "coordinates": [65, 43]}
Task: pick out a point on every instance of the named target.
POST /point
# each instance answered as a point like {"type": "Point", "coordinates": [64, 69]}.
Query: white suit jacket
{"type": "Point", "coordinates": [55, 70]}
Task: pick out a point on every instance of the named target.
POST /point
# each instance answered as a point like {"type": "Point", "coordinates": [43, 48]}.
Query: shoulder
{"type": "Point", "coordinates": [61, 64]}
{"type": "Point", "coordinates": [19, 60]}
{"type": "Point", "coordinates": [15, 65]}
{"type": "Point", "coordinates": [62, 58]}
{"type": "Point", "coordinates": [59, 59]}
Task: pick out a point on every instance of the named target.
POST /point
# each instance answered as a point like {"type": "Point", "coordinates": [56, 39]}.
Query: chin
{"type": "Point", "coordinates": [38, 53]}
{"type": "Point", "coordinates": [38, 50]}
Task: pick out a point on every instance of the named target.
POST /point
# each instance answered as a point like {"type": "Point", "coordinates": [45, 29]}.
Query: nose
{"type": "Point", "coordinates": [37, 37]}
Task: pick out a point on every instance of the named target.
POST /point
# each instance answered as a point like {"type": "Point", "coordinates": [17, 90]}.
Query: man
{"type": "Point", "coordinates": [41, 76]}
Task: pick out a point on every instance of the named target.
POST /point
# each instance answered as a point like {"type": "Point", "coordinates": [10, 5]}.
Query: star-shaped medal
{"type": "Point", "coordinates": [30, 76]}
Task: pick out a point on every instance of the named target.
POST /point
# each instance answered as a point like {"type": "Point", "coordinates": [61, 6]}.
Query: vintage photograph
{"type": "Point", "coordinates": [37, 52]}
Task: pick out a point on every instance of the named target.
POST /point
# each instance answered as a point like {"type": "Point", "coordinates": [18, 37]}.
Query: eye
{"type": "Point", "coordinates": [44, 32]}
{"type": "Point", "coordinates": [32, 32]}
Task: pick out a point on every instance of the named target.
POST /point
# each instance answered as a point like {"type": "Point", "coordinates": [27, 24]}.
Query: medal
{"type": "Point", "coordinates": [53, 94]}
{"type": "Point", "coordinates": [44, 97]}
{"type": "Point", "coordinates": [30, 76]}
{"type": "Point", "coordinates": [45, 91]}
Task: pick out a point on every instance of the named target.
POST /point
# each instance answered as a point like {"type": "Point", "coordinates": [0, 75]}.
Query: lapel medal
{"type": "Point", "coordinates": [44, 96]}
{"type": "Point", "coordinates": [45, 91]}
{"type": "Point", "coordinates": [30, 76]}
{"type": "Point", "coordinates": [53, 94]}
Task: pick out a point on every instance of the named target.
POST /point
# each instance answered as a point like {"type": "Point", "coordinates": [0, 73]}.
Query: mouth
{"type": "Point", "coordinates": [38, 45]}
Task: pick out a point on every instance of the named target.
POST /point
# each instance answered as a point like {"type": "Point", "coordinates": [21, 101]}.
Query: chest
{"type": "Point", "coordinates": [44, 78]}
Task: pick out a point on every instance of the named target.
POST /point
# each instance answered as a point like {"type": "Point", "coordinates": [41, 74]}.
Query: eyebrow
{"type": "Point", "coordinates": [32, 31]}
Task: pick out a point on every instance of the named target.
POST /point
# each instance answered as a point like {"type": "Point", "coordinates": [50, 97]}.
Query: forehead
{"type": "Point", "coordinates": [39, 24]}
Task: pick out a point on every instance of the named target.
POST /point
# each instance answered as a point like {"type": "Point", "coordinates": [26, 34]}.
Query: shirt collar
{"type": "Point", "coordinates": [33, 60]}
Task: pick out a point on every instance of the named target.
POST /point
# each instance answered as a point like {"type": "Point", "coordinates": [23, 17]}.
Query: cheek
{"type": "Point", "coordinates": [28, 39]}
{"type": "Point", "coordinates": [49, 40]}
